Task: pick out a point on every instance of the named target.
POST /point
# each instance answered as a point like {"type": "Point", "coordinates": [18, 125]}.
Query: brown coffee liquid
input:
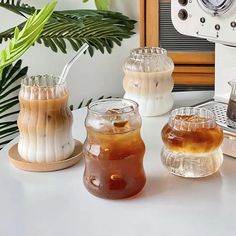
{"type": "Point", "coordinates": [231, 111]}
{"type": "Point", "coordinates": [114, 164]}
{"type": "Point", "coordinates": [45, 129]}
{"type": "Point", "coordinates": [200, 140]}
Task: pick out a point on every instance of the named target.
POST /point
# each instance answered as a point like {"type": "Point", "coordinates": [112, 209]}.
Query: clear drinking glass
{"type": "Point", "coordinates": [192, 142]}
{"type": "Point", "coordinates": [148, 80]}
{"type": "Point", "coordinates": [231, 111]}
{"type": "Point", "coordinates": [113, 149]}
{"type": "Point", "coordinates": [45, 120]}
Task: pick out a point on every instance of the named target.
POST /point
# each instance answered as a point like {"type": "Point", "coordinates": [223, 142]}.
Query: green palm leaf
{"type": "Point", "coordinates": [9, 89]}
{"type": "Point", "coordinates": [22, 40]}
{"type": "Point", "coordinates": [98, 33]}
{"type": "Point", "coordinates": [17, 7]}
{"type": "Point", "coordinates": [85, 104]}
{"type": "Point", "coordinates": [102, 4]}
{"type": "Point", "coordinates": [10, 76]}
{"type": "Point", "coordinates": [100, 29]}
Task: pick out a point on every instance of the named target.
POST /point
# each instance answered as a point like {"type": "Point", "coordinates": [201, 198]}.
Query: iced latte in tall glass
{"type": "Point", "coordinates": [45, 120]}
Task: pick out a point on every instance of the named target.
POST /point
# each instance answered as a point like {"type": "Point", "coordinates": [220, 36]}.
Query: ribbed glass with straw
{"type": "Point", "coordinates": [45, 120]}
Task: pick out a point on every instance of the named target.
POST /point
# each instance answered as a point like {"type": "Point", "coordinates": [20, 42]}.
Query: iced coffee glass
{"type": "Point", "coordinates": [45, 120]}
{"type": "Point", "coordinates": [113, 149]}
{"type": "Point", "coordinates": [148, 80]}
{"type": "Point", "coordinates": [192, 142]}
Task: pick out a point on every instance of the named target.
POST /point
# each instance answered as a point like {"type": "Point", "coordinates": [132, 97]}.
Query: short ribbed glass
{"type": "Point", "coordinates": [45, 120]}
{"type": "Point", "coordinates": [192, 142]}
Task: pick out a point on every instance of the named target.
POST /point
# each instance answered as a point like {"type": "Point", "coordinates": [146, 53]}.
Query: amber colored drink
{"type": "Point", "coordinates": [199, 140]}
{"type": "Point", "coordinates": [114, 158]}
{"type": "Point", "coordinates": [192, 142]}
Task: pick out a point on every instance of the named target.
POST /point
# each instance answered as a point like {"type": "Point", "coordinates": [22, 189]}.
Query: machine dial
{"type": "Point", "coordinates": [216, 7]}
{"type": "Point", "coordinates": [216, 3]}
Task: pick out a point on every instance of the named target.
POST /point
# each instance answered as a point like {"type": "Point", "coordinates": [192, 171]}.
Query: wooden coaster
{"type": "Point", "coordinates": [20, 163]}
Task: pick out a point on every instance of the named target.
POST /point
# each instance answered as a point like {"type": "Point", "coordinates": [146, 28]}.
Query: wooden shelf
{"type": "Point", "coordinates": [191, 68]}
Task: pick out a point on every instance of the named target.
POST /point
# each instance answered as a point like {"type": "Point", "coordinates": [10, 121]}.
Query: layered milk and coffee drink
{"type": "Point", "coordinates": [152, 91]}
{"type": "Point", "coordinates": [148, 80]}
{"type": "Point", "coordinates": [45, 120]}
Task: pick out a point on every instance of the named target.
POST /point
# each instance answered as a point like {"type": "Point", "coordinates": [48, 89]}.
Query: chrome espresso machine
{"type": "Point", "coordinates": [215, 20]}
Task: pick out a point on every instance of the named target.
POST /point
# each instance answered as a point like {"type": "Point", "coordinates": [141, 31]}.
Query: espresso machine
{"type": "Point", "coordinates": [214, 20]}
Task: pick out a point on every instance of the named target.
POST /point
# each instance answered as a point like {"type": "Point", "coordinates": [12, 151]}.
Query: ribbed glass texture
{"type": "Point", "coordinates": [113, 149]}
{"type": "Point", "coordinates": [148, 80]}
{"type": "Point", "coordinates": [192, 142]}
{"type": "Point", "coordinates": [45, 120]}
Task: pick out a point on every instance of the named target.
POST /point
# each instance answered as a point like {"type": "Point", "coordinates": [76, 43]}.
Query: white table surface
{"type": "Point", "coordinates": [57, 203]}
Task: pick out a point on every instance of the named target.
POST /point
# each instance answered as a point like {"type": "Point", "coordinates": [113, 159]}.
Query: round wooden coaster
{"type": "Point", "coordinates": [20, 163]}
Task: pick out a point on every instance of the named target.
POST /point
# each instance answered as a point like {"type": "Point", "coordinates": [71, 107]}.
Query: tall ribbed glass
{"type": "Point", "coordinates": [45, 120]}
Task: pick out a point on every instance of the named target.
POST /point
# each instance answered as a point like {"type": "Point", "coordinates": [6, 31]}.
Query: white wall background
{"type": "Point", "coordinates": [89, 77]}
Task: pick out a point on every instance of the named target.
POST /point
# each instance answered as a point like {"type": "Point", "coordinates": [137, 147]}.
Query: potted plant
{"type": "Point", "coordinates": [102, 30]}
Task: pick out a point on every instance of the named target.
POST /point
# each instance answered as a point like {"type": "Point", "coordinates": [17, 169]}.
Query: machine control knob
{"type": "Point", "coordinates": [202, 20]}
{"type": "Point", "coordinates": [183, 14]}
{"type": "Point", "coordinates": [217, 27]}
{"type": "Point", "coordinates": [233, 24]}
{"type": "Point", "coordinates": [183, 2]}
